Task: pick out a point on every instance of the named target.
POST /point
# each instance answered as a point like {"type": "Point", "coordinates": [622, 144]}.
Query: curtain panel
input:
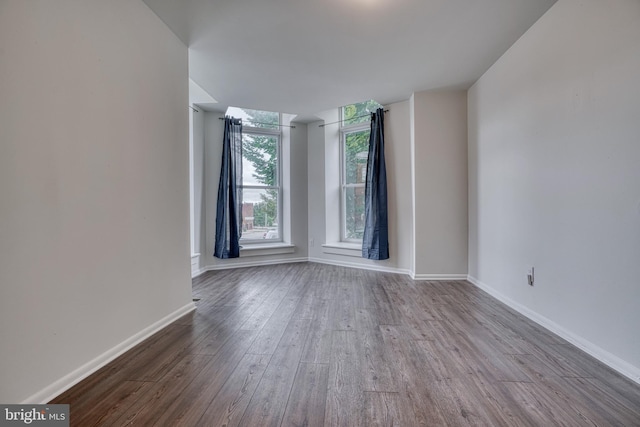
{"type": "Point", "coordinates": [229, 207]}
{"type": "Point", "coordinates": [375, 242]}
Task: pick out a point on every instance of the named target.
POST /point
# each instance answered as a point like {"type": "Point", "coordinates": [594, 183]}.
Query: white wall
{"type": "Point", "coordinates": [94, 199]}
{"type": "Point", "coordinates": [397, 157]}
{"type": "Point", "coordinates": [316, 191]}
{"type": "Point", "coordinates": [554, 155]}
{"type": "Point", "coordinates": [197, 96]}
{"type": "Point", "coordinates": [295, 184]}
{"type": "Point", "coordinates": [299, 187]}
{"type": "Point", "coordinates": [324, 191]}
{"type": "Point", "coordinates": [212, 160]}
{"type": "Point", "coordinates": [440, 183]}
{"type": "Point", "coordinates": [198, 182]}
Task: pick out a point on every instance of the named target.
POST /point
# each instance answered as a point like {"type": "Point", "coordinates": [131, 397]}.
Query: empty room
{"type": "Point", "coordinates": [320, 213]}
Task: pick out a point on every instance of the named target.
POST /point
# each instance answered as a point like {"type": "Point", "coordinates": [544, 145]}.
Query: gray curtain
{"type": "Point", "coordinates": [229, 209]}
{"type": "Point", "coordinates": [375, 242]}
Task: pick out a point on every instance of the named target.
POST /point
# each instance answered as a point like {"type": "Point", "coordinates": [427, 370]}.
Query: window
{"type": "Point", "coordinates": [261, 177]}
{"type": "Point", "coordinates": [354, 134]}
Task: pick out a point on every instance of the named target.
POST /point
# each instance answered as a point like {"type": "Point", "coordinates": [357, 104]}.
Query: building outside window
{"type": "Point", "coordinates": [354, 147]}
{"type": "Point", "coordinates": [261, 175]}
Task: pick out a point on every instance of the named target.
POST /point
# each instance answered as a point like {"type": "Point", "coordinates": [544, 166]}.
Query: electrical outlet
{"type": "Point", "coordinates": [531, 276]}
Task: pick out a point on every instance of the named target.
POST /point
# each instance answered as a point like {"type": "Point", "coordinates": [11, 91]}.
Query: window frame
{"type": "Point", "coordinates": [277, 133]}
{"type": "Point", "coordinates": [344, 186]}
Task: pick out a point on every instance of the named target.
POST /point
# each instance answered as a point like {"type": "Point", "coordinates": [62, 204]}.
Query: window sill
{"type": "Point", "coordinates": [266, 249]}
{"type": "Point", "coordinates": [343, 248]}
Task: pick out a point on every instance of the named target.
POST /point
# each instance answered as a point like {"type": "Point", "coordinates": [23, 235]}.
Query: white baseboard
{"type": "Point", "coordinates": [71, 379]}
{"type": "Point", "coordinates": [360, 266]}
{"type": "Point", "coordinates": [339, 263]}
{"type": "Point", "coordinates": [436, 277]}
{"type": "Point", "coordinates": [256, 263]}
{"type": "Point", "coordinates": [196, 273]}
{"type": "Point", "coordinates": [614, 362]}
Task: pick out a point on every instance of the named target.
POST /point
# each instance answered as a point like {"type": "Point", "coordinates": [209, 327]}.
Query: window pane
{"type": "Point", "coordinates": [358, 113]}
{"type": "Point", "coordinates": [356, 150]}
{"type": "Point", "coordinates": [354, 212]}
{"type": "Point", "coordinates": [259, 160]}
{"type": "Point", "coordinates": [255, 118]}
{"type": "Point", "coordinates": [260, 214]}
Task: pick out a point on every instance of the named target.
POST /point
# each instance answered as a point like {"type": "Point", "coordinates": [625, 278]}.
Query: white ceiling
{"type": "Point", "coordinates": [306, 56]}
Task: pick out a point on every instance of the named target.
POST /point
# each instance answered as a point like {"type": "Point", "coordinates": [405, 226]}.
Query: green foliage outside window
{"type": "Point", "coordinates": [265, 212]}
{"type": "Point", "coordinates": [358, 113]}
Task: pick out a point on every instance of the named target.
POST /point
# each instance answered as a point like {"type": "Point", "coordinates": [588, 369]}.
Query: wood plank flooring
{"type": "Point", "coordinates": [311, 345]}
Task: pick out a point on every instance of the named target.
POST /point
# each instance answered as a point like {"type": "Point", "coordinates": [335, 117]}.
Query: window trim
{"type": "Point", "coordinates": [278, 134]}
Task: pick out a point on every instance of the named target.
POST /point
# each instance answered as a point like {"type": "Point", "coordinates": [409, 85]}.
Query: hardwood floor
{"type": "Point", "coordinates": [311, 345]}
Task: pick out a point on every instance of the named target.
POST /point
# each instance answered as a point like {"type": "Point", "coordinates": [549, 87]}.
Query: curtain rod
{"type": "Point", "coordinates": [268, 124]}
{"type": "Point", "coordinates": [351, 118]}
